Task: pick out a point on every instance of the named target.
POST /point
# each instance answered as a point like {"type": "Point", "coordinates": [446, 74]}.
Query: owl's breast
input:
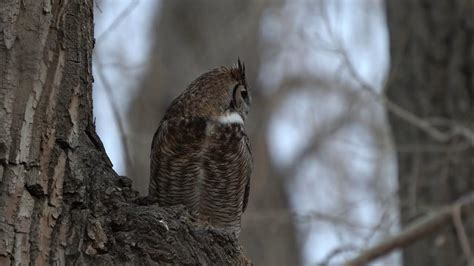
{"type": "Point", "coordinates": [224, 134]}
{"type": "Point", "coordinates": [227, 165]}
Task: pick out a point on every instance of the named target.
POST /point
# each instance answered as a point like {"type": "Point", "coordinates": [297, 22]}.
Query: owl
{"type": "Point", "coordinates": [200, 154]}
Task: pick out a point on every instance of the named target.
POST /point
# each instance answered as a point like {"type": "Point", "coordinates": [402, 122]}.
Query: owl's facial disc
{"type": "Point", "coordinates": [240, 100]}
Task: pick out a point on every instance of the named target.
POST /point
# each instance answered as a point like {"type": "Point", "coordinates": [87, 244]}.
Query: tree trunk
{"type": "Point", "coordinates": [60, 201]}
{"type": "Point", "coordinates": [432, 66]}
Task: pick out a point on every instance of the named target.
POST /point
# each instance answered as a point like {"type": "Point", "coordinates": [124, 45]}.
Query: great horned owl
{"type": "Point", "coordinates": [200, 155]}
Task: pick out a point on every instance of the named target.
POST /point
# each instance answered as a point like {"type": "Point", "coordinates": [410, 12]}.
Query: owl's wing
{"type": "Point", "coordinates": [175, 161]}
{"type": "Point", "coordinates": [250, 160]}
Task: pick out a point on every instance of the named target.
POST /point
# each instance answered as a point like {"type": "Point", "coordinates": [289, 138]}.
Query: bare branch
{"type": "Point", "coordinates": [334, 253]}
{"type": "Point", "coordinates": [426, 126]}
{"type": "Point", "coordinates": [462, 236]}
{"type": "Point", "coordinates": [409, 117]}
{"type": "Point", "coordinates": [423, 227]}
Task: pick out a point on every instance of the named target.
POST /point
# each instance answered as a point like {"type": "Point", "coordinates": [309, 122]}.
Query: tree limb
{"type": "Point", "coordinates": [423, 227]}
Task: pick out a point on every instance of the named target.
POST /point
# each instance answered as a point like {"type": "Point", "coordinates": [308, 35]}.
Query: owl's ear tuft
{"type": "Point", "coordinates": [241, 67]}
{"type": "Point", "coordinates": [238, 73]}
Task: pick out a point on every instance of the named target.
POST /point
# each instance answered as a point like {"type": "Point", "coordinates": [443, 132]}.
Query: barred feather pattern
{"type": "Point", "coordinates": [204, 165]}
{"type": "Point", "coordinates": [227, 165]}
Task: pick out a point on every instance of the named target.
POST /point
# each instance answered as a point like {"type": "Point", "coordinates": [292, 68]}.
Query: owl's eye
{"type": "Point", "coordinates": [240, 96]}
{"type": "Point", "coordinates": [244, 94]}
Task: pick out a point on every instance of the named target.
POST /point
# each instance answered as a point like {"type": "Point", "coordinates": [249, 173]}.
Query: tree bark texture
{"type": "Point", "coordinates": [192, 37]}
{"type": "Point", "coordinates": [432, 66]}
{"type": "Point", "coordinates": [60, 201]}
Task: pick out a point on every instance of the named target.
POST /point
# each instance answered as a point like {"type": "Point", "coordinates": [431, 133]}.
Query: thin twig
{"type": "Point", "coordinates": [419, 229]}
{"type": "Point", "coordinates": [115, 110]}
{"type": "Point", "coordinates": [121, 17]}
{"type": "Point", "coordinates": [108, 88]}
{"type": "Point", "coordinates": [97, 5]}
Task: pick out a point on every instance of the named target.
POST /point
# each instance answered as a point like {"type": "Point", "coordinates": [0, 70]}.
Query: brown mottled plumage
{"type": "Point", "coordinates": [200, 155]}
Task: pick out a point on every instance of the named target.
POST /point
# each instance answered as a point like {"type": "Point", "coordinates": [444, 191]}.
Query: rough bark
{"type": "Point", "coordinates": [192, 37]}
{"type": "Point", "coordinates": [60, 201]}
{"type": "Point", "coordinates": [432, 66]}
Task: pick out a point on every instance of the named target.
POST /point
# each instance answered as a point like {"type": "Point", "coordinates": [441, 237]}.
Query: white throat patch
{"type": "Point", "coordinates": [231, 118]}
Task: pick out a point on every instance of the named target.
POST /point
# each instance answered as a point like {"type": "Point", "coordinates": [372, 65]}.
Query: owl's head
{"type": "Point", "coordinates": [221, 94]}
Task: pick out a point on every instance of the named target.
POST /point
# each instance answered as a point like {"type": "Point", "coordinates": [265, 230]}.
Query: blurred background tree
{"type": "Point", "coordinates": [431, 77]}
